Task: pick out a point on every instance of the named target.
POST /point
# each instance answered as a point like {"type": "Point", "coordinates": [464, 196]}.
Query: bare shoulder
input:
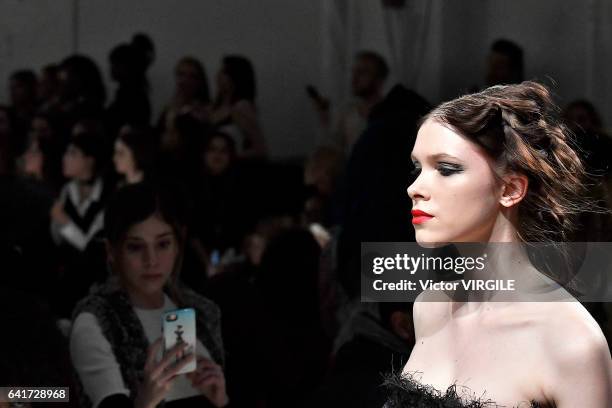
{"type": "Point", "coordinates": [571, 335]}
{"type": "Point", "coordinates": [576, 357]}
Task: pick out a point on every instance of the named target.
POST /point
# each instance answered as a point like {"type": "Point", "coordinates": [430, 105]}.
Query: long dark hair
{"type": "Point", "coordinates": [133, 204]}
{"type": "Point", "coordinates": [240, 71]}
{"type": "Point", "coordinates": [520, 127]}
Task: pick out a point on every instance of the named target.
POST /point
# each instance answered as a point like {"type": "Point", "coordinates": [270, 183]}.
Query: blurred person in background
{"type": "Point", "coordinates": [368, 75]}
{"type": "Point", "coordinates": [191, 97]}
{"type": "Point", "coordinates": [131, 104]}
{"type": "Point", "coordinates": [7, 144]}
{"type": "Point", "coordinates": [234, 110]}
{"type": "Point", "coordinates": [77, 218]}
{"type": "Point", "coordinates": [134, 154]}
{"type": "Point", "coordinates": [504, 63]}
{"type": "Point", "coordinates": [23, 88]}
{"type": "Point", "coordinates": [48, 87]}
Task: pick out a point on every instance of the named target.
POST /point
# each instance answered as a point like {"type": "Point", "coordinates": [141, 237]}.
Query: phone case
{"type": "Point", "coordinates": [179, 326]}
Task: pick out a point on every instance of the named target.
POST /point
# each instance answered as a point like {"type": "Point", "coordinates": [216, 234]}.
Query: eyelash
{"type": "Point", "coordinates": [445, 169]}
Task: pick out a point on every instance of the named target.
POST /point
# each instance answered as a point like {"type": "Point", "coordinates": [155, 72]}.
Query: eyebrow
{"type": "Point", "coordinates": [438, 156]}
{"type": "Point", "coordinates": [135, 238]}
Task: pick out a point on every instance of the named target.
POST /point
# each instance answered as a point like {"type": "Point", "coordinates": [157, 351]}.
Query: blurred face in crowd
{"type": "Point", "coordinates": [146, 256]}
{"type": "Point", "coordinates": [456, 189]}
{"type": "Point", "coordinates": [499, 69]}
{"type": "Point", "coordinates": [188, 79]}
{"type": "Point", "coordinates": [40, 129]}
{"type": "Point", "coordinates": [76, 164]}
{"type": "Point", "coordinates": [217, 157]}
{"type": "Point", "coordinates": [365, 80]}
{"type": "Point", "coordinates": [225, 85]}
{"type": "Point", "coordinates": [48, 85]}
{"type": "Point", "coordinates": [68, 84]}
{"type": "Point", "coordinates": [123, 158]}
{"type": "Point", "coordinates": [20, 92]}
{"type": "Point", "coordinates": [33, 159]}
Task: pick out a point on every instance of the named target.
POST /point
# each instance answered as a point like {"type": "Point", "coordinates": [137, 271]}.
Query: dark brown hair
{"type": "Point", "coordinates": [519, 126]}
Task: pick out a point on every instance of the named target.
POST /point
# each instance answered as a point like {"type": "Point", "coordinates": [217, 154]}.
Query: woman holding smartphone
{"type": "Point", "coordinates": [498, 167]}
{"type": "Point", "coordinates": [116, 344]}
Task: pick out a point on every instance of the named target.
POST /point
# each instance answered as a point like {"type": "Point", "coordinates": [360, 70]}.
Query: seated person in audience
{"type": "Point", "coordinates": [41, 160]}
{"type": "Point", "coordinates": [77, 216]}
{"type": "Point", "coordinates": [220, 219]}
{"type": "Point", "coordinates": [191, 97]}
{"type": "Point", "coordinates": [234, 111]}
{"type": "Point", "coordinates": [356, 373]}
{"type": "Point", "coordinates": [134, 153]}
{"type": "Point", "coordinates": [115, 342]}
{"type": "Point", "coordinates": [23, 94]}
{"type": "Point", "coordinates": [77, 219]}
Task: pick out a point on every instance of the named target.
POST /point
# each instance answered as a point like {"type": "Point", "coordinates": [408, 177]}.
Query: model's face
{"type": "Point", "coordinates": [123, 158]}
{"type": "Point", "coordinates": [146, 257]}
{"type": "Point", "coordinates": [456, 186]}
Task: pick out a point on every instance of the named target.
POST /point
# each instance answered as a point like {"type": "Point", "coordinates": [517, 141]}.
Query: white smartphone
{"type": "Point", "coordinates": [179, 326]}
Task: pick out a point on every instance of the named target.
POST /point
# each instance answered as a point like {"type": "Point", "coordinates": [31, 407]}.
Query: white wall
{"type": "Point", "coordinates": [280, 37]}
{"type": "Point", "coordinates": [285, 41]}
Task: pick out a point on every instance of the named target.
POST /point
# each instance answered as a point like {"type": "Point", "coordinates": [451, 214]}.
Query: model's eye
{"type": "Point", "coordinates": [447, 169]}
{"type": "Point", "coordinates": [416, 171]}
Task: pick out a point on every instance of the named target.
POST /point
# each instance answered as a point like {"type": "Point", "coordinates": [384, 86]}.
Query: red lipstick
{"type": "Point", "coordinates": [419, 217]}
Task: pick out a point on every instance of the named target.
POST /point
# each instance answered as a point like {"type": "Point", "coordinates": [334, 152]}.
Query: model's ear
{"type": "Point", "coordinates": [514, 189]}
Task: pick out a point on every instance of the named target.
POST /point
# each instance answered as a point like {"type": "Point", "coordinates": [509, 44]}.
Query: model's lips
{"type": "Point", "coordinates": [419, 216]}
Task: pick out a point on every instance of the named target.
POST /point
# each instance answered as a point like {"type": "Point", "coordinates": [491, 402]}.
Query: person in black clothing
{"type": "Point", "coordinates": [373, 204]}
{"type": "Point", "coordinates": [221, 219]}
{"type": "Point", "coordinates": [134, 154]}
{"type": "Point", "coordinates": [77, 218]}
{"type": "Point", "coordinates": [82, 93]}
{"type": "Point", "coordinates": [356, 374]}
{"type": "Point", "coordinates": [131, 104]}
{"type": "Point", "coordinates": [24, 100]}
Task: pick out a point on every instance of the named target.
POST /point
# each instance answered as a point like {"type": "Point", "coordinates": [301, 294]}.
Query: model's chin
{"type": "Point", "coordinates": [426, 240]}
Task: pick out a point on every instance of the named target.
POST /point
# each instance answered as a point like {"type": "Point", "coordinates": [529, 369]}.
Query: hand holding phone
{"type": "Point", "coordinates": [159, 375]}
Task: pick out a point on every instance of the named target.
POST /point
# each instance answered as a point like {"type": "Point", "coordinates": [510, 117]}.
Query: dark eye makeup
{"type": "Point", "coordinates": [444, 168]}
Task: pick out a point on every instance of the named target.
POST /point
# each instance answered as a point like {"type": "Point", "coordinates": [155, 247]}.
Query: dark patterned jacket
{"type": "Point", "coordinates": [111, 306]}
